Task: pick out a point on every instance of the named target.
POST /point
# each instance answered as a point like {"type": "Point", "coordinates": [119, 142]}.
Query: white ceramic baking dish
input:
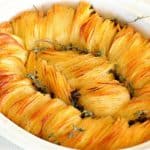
{"type": "Point", "coordinates": [126, 10]}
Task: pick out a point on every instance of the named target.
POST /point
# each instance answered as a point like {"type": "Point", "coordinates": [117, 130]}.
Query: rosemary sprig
{"type": "Point", "coordinates": [51, 135]}
{"type": "Point", "coordinates": [75, 95]}
{"type": "Point", "coordinates": [35, 8]}
{"type": "Point", "coordinates": [38, 49]}
{"type": "Point", "coordinates": [117, 76]}
{"type": "Point", "coordinates": [75, 129]}
{"type": "Point", "coordinates": [41, 45]}
{"type": "Point", "coordinates": [37, 83]}
{"type": "Point", "coordinates": [141, 113]}
{"type": "Point", "coordinates": [140, 116]}
{"type": "Point", "coordinates": [131, 89]}
{"type": "Point", "coordinates": [97, 53]}
{"type": "Point", "coordinates": [138, 18]}
{"type": "Point", "coordinates": [56, 142]}
{"type": "Point", "coordinates": [122, 80]}
{"type": "Point", "coordinates": [86, 113]}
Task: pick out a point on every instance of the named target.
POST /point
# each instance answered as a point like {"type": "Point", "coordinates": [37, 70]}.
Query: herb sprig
{"type": "Point", "coordinates": [75, 95]}
{"type": "Point", "coordinates": [75, 129]}
{"type": "Point", "coordinates": [86, 113]}
{"type": "Point", "coordinates": [53, 136]}
{"type": "Point", "coordinates": [36, 82]}
{"type": "Point", "coordinates": [140, 116]}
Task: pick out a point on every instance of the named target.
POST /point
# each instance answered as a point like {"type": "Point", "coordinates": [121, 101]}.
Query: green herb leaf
{"type": "Point", "coordinates": [140, 113]}
{"type": "Point", "coordinates": [97, 53]}
{"type": "Point", "coordinates": [75, 128]}
{"type": "Point", "coordinates": [140, 116]}
{"type": "Point", "coordinates": [139, 18]}
{"type": "Point", "coordinates": [31, 76]}
{"type": "Point", "coordinates": [69, 47]}
{"type": "Point", "coordinates": [75, 95]}
{"type": "Point", "coordinates": [57, 142]}
{"type": "Point", "coordinates": [37, 83]}
{"type": "Point", "coordinates": [117, 76]}
{"type": "Point", "coordinates": [51, 135]}
{"type": "Point", "coordinates": [86, 113]}
{"type": "Point", "coordinates": [38, 49]}
{"type": "Point", "coordinates": [131, 89]}
{"type": "Point", "coordinates": [121, 79]}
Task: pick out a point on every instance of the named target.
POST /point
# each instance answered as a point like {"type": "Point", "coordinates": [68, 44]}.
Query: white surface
{"type": "Point", "coordinates": [6, 145]}
{"type": "Point", "coordinates": [126, 10]}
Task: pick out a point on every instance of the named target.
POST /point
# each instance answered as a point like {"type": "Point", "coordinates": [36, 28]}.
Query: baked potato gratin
{"type": "Point", "coordinates": [73, 78]}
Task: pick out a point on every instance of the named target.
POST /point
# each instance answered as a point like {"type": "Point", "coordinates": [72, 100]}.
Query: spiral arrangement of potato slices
{"type": "Point", "coordinates": [76, 79]}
